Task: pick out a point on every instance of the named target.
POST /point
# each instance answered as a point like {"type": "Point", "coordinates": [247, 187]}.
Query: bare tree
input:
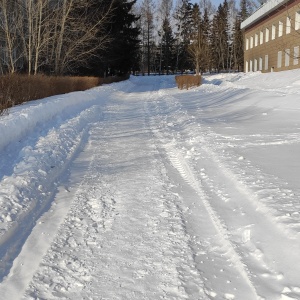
{"type": "Point", "coordinates": [79, 30]}
{"type": "Point", "coordinates": [58, 35]}
{"type": "Point", "coordinates": [10, 23]}
{"type": "Point", "coordinates": [35, 32]}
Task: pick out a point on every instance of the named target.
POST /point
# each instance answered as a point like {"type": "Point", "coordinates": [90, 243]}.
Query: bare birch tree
{"type": "Point", "coordinates": [55, 35]}
{"type": "Point", "coordinates": [78, 32]}
{"type": "Point", "coordinates": [35, 32]}
{"type": "Point", "coordinates": [10, 23]}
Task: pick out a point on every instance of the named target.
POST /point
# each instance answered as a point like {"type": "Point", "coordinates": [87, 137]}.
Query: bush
{"type": "Point", "coordinates": [16, 89]}
{"type": "Point", "coordinates": [187, 81]}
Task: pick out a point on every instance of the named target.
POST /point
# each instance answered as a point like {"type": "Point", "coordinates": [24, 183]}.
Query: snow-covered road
{"type": "Point", "coordinates": [138, 190]}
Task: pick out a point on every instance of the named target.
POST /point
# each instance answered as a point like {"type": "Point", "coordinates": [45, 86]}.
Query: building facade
{"type": "Point", "coordinates": [272, 37]}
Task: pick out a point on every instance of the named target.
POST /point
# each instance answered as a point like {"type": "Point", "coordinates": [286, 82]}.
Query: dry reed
{"type": "Point", "coordinates": [187, 81]}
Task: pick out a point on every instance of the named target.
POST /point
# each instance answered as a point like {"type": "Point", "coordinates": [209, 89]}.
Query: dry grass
{"type": "Point", "coordinates": [16, 89]}
{"type": "Point", "coordinates": [187, 81]}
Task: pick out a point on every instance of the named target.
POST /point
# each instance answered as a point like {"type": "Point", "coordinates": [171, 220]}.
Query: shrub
{"type": "Point", "coordinates": [187, 81]}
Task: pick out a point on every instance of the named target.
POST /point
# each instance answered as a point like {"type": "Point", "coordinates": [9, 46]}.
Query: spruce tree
{"type": "Point", "coordinates": [167, 45]}
{"type": "Point", "coordinates": [206, 24]}
{"type": "Point", "coordinates": [147, 35]}
{"type": "Point", "coordinates": [244, 14]}
{"type": "Point", "coordinates": [238, 42]}
{"type": "Point", "coordinates": [196, 46]}
{"type": "Point", "coordinates": [220, 38]}
{"type": "Point", "coordinates": [122, 54]}
{"type": "Point", "coordinates": [183, 19]}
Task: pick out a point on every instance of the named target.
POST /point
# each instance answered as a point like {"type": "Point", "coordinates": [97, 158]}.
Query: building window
{"type": "Point", "coordinates": [255, 65]}
{"type": "Point", "coordinates": [251, 65]}
{"type": "Point", "coordinates": [279, 59]}
{"type": "Point", "coordinates": [296, 55]}
{"type": "Point", "coordinates": [256, 40]}
{"type": "Point", "coordinates": [273, 32]}
{"type": "Point", "coordinates": [266, 62]}
{"type": "Point", "coordinates": [267, 35]}
{"type": "Point", "coordinates": [288, 25]}
{"type": "Point", "coordinates": [251, 42]}
{"type": "Point", "coordinates": [261, 37]}
{"type": "Point", "coordinates": [280, 29]}
{"type": "Point", "coordinates": [287, 57]}
{"type": "Point", "coordinates": [297, 20]}
{"type": "Point", "coordinates": [247, 67]}
{"type": "Point", "coordinates": [260, 64]}
{"type": "Point", "coordinates": [247, 44]}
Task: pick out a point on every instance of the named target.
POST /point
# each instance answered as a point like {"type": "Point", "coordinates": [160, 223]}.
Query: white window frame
{"type": "Point", "coordinates": [261, 37]}
{"type": "Point", "coordinates": [297, 20]}
{"type": "Point", "coordinates": [279, 59]}
{"type": "Point", "coordinates": [260, 67]}
{"type": "Point", "coordinates": [255, 65]}
{"type": "Point", "coordinates": [296, 56]}
{"type": "Point", "coordinates": [288, 25]}
{"type": "Point", "coordinates": [247, 44]}
{"type": "Point", "coordinates": [266, 62]}
{"type": "Point", "coordinates": [251, 42]}
{"type": "Point", "coordinates": [287, 56]}
{"type": "Point", "coordinates": [251, 65]}
{"type": "Point", "coordinates": [267, 35]}
{"type": "Point", "coordinates": [273, 32]}
{"type": "Point", "coordinates": [280, 29]}
{"type": "Point", "coordinates": [256, 40]}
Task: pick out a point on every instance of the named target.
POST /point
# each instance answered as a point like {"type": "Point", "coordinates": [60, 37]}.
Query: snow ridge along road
{"type": "Point", "coordinates": [138, 190]}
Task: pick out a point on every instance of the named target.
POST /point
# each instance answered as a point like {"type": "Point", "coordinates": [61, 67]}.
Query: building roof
{"type": "Point", "coordinates": [262, 11]}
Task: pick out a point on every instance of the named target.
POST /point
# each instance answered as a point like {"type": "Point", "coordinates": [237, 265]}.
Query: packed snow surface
{"type": "Point", "coordinates": [138, 190]}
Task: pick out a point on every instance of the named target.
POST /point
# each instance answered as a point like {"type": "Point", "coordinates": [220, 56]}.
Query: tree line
{"type": "Point", "coordinates": [192, 36]}
{"type": "Point", "coordinates": [107, 37]}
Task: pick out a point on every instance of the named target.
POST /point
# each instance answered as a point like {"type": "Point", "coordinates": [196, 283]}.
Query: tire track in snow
{"type": "Point", "coordinates": [255, 218]}
{"type": "Point", "coordinates": [190, 275]}
{"type": "Point", "coordinates": [180, 164]}
{"type": "Point", "coordinates": [272, 277]}
{"type": "Point", "coordinates": [178, 161]}
{"type": "Point", "coordinates": [140, 249]}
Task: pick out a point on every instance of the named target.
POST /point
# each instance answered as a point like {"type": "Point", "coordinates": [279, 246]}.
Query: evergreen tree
{"type": "Point", "coordinates": [147, 27]}
{"type": "Point", "coordinates": [167, 45]}
{"type": "Point", "coordinates": [238, 45]}
{"type": "Point", "coordinates": [183, 18]}
{"type": "Point", "coordinates": [122, 53]}
{"type": "Point", "coordinates": [244, 14]}
{"type": "Point", "coordinates": [206, 24]}
{"type": "Point", "coordinates": [163, 18]}
{"type": "Point", "coordinates": [196, 46]}
{"type": "Point", "coordinates": [220, 38]}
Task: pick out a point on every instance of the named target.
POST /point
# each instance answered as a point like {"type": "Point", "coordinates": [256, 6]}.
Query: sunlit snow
{"type": "Point", "coordinates": [138, 190]}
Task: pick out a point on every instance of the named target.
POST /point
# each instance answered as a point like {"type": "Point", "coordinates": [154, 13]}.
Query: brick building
{"type": "Point", "coordinates": [272, 37]}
